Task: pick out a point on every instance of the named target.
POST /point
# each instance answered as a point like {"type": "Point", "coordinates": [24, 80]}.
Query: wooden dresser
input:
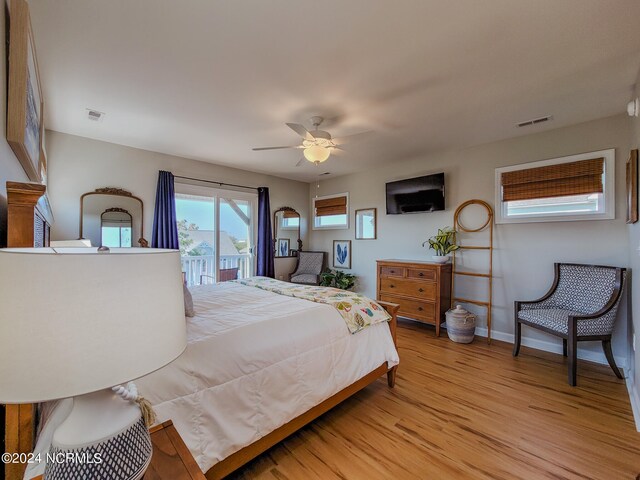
{"type": "Point", "coordinates": [422, 289]}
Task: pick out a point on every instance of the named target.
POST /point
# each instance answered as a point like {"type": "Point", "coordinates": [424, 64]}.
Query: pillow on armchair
{"type": "Point", "coordinates": [309, 267]}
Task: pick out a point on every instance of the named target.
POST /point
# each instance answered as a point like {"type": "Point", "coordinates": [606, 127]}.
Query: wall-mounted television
{"type": "Point", "coordinates": [415, 195]}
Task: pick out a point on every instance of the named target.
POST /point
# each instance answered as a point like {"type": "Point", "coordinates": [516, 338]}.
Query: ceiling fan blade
{"type": "Point", "coordinates": [353, 138]}
{"type": "Point", "coordinates": [300, 130]}
{"type": "Point", "coordinates": [276, 148]}
{"type": "Point", "coordinates": [301, 162]}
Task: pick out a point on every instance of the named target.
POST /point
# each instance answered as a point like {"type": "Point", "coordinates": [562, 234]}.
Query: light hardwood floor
{"type": "Point", "coordinates": [467, 411]}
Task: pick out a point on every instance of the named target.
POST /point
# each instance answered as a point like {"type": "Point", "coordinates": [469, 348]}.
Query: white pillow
{"type": "Point", "coordinates": [53, 414]}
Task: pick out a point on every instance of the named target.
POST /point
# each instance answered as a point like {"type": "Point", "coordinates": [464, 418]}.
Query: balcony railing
{"type": "Point", "coordinates": [195, 266]}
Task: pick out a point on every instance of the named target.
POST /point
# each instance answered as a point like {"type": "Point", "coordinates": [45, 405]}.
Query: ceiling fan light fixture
{"type": "Point", "coordinates": [316, 153]}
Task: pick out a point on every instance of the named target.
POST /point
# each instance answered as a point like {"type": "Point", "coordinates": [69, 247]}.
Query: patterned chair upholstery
{"type": "Point", "coordinates": [582, 304]}
{"type": "Point", "coordinates": [310, 265]}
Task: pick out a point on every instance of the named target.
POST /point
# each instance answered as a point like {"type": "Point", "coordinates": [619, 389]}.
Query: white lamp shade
{"type": "Point", "coordinates": [316, 153]}
{"type": "Point", "coordinates": [74, 320]}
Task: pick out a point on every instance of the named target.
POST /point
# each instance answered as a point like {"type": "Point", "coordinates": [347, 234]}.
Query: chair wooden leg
{"type": "Point", "coordinates": [572, 347]}
{"type": "Point", "coordinates": [564, 347]}
{"type": "Point", "coordinates": [517, 338]}
{"type": "Point", "coordinates": [606, 346]}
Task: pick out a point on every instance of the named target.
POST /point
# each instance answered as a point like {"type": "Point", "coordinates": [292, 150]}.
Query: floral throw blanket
{"type": "Point", "coordinates": [357, 310]}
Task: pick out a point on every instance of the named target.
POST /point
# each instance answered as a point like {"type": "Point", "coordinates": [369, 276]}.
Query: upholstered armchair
{"type": "Point", "coordinates": [310, 265]}
{"type": "Point", "coordinates": [582, 304]}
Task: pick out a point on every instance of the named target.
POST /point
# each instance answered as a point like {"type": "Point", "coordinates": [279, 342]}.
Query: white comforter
{"type": "Point", "coordinates": [254, 361]}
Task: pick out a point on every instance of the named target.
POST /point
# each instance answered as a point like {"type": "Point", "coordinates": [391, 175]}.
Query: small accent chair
{"type": "Point", "coordinates": [582, 304]}
{"type": "Point", "coordinates": [309, 268]}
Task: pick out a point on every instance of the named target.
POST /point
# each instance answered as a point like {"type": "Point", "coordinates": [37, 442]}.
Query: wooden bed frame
{"type": "Point", "coordinates": [20, 421]}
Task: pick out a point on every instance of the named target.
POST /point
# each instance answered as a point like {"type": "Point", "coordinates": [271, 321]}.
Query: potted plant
{"type": "Point", "coordinates": [443, 244]}
{"type": "Point", "coordinates": [337, 279]}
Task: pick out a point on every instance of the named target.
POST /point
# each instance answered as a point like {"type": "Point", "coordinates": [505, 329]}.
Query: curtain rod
{"type": "Point", "coordinates": [216, 183]}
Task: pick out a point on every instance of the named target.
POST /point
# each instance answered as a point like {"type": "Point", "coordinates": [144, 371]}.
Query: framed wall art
{"type": "Point", "coordinates": [342, 253]}
{"type": "Point", "coordinates": [24, 100]}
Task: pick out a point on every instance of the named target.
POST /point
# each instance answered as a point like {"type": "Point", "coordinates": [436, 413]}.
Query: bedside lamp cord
{"type": "Point", "coordinates": [130, 392]}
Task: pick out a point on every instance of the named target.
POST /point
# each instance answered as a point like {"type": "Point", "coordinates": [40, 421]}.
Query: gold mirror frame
{"type": "Point", "coordinates": [275, 228]}
{"type": "Point", "coordinates": [118, 192]}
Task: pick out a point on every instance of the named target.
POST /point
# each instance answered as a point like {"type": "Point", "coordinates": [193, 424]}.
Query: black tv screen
{"type": "Point", "coordinates": [414, 195]}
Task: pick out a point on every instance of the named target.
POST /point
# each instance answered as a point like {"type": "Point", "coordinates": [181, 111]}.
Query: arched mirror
{"type": "Point", "coordinates": [286, 229]}
{"type": "Point", "coordinates": [111, 217]}
{"type": "Point", "coordinates": [116, 227]}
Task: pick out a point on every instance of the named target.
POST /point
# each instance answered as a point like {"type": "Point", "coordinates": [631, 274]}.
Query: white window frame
{"type": "Point", "coordinates": [609, 193]}
{"type": "Point", "coordinates": [314, 226]}
{"type": "Point", "coordinates": [218, 193]}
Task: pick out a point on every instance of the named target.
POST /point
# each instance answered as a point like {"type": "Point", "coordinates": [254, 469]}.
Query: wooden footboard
{"type": "Point", "coordinates": [248, 453]}
{"type": "Point", "coordinates": [20, 420]}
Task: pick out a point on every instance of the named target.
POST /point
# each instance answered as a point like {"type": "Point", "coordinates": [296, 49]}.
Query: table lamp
{"type": "Point", "coordinates": [75, 322]}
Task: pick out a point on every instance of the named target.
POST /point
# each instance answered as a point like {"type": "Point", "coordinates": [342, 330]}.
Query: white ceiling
{"type": "Point", "coordinates": [210, 79]}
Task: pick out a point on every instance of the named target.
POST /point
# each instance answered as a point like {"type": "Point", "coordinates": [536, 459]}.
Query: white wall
{"type": "Point", "coordinates": [10, 168]}
{"type": "Point", "coordinates": [634, 263]}
{"type": "Point", "coordinates": [524, 253]}
{"type": "Point", "coordinates": [78, 165]}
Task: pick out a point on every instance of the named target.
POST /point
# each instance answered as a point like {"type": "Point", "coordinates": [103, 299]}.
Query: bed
{"type": "Point", "coordinates": [259, 365]}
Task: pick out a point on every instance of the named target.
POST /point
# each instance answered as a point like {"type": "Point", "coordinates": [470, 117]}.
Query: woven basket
{"type": "Point", "coordinates": [461, 325]}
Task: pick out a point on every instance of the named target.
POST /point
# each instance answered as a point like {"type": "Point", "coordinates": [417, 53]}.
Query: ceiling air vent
{"type": "Point", "coordinates": [535, 121]}
{"type": "Point", "coordinates": [94, 115]}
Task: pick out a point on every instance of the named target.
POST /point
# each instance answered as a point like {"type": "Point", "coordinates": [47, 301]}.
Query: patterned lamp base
{"type": "Point", "coordinates": [124, 456]}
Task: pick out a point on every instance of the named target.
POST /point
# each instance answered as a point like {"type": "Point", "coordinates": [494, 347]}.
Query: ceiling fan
{"type": "Point", "coordinates": [316, 145]}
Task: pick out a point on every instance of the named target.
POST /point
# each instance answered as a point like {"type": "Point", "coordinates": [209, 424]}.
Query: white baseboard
{"type": "Point", "coordinates": [591, 356]}
{"type": "Point", "coordinates": [634, 398]}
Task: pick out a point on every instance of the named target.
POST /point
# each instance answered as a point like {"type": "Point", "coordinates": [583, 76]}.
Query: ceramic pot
{"type": "Point", "coordinates": [440, 258]}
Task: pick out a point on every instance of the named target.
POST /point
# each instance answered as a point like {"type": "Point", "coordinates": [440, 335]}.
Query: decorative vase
{"type": "Point", "coordinates": [440, 258]}
{"type": "Point", "coordinates": [461, 325]}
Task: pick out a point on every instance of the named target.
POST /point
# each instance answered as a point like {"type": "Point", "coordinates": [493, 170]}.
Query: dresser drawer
{"type": "Point", "coordinates": [392, 271]}
{"type": "Point", "coordinates": [413, 308]}
{"type": "Point", "coordinates": [410, 288]}
{"type": "Point", "coordinates": [421, 273]}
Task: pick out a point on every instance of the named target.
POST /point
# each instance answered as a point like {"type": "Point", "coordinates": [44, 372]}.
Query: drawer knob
{"type": "Point", "coordinates": [391, 286]}
{"type": "Point", "coordinates": [421, 274]}
{"type": "Point", "coordinates": [419, 309]}
{"type": "Point", "coordinates": [421, 290]}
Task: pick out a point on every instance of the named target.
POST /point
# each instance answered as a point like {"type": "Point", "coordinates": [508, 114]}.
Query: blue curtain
{"type": "Point", "coordinates": [165, 227]}
{"type": "Point", "coordinates": [265, 242]}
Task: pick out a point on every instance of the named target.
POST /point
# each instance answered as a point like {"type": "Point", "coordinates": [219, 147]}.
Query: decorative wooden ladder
{"type": "Point", "coordinates": [489, 276]}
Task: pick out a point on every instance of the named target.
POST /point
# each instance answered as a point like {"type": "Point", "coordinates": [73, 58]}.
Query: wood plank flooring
{"type": "Point", "coordinates": [467, 411]}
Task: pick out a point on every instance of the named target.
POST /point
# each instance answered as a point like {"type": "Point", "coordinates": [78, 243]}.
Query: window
{"type": "Point", "coordinates": [578, 187]}
{"type": "Point", "coordinates": [116, 236]}
{"type": "Point", "coordinates": [216, 228]}
{"type": "Point", "coordinates": [331, 212]}
{"type": "Point", "coordinates": [290, 221]}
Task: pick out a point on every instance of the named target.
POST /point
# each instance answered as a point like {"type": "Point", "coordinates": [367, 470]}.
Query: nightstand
{"type": "Point", "coordinates": [171, 459]}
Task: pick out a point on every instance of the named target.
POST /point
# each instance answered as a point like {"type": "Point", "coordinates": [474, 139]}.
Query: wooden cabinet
{"type": "Point", "coordinates": [171, 459]}
{"type": "Point", "coordinates": [29, 215]}
{"type": "Point", "coordinates": [422, 289]}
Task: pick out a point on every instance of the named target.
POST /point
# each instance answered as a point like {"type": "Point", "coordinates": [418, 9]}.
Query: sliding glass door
{"type": "Point", "coordinates": [216, 229]}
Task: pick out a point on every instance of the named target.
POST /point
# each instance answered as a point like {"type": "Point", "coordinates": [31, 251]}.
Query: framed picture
{"type": "Point", "coordinates": [342, 253]}
{"type": "Point", "coordinates": [283, 247]}
{"type": "Point", "coordinates": [366, 224]}
{"type": "Point", "coordinates": [24, 102]}
{"type": "Point", "coordinates": [632, 187]}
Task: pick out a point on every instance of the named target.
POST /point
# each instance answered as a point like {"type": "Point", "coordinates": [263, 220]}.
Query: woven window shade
{"type": "Point", "coordinates": [291, 214]}
{"type": "Point", "coordinates": [574, 178]}
{"type": "Point", "coordinates": [331, 206]}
